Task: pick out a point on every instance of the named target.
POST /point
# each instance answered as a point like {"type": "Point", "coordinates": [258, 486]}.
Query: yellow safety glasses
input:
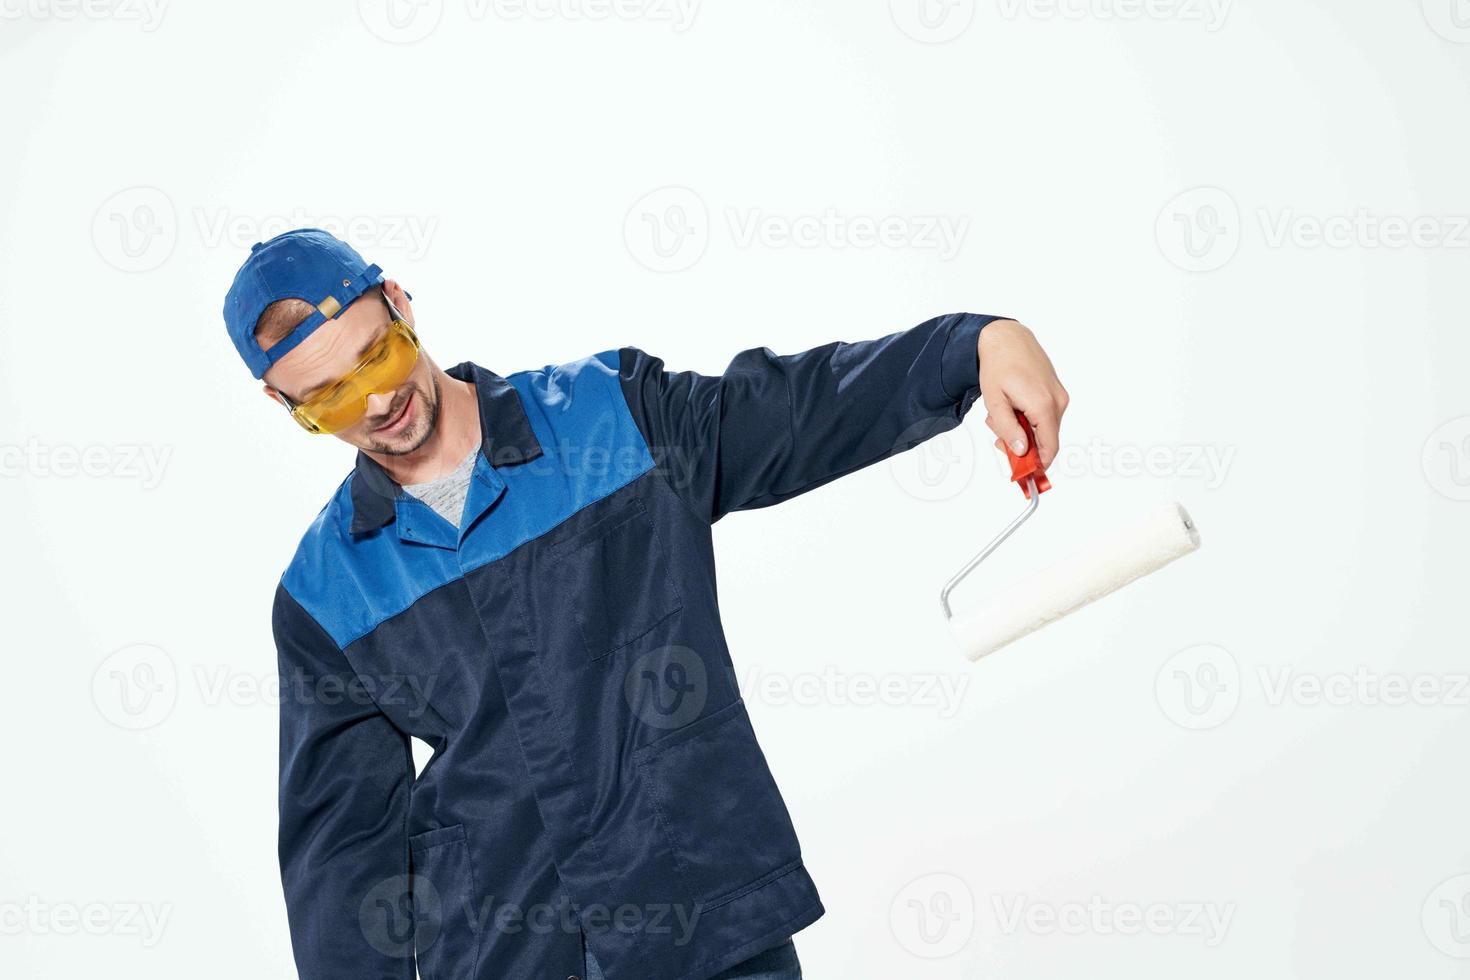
{"type": "Point", "coordinates": [383, 368]}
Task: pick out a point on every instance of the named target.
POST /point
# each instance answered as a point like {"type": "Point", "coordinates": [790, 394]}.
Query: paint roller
{"type": "Point", "coordinates": [1067, 586]}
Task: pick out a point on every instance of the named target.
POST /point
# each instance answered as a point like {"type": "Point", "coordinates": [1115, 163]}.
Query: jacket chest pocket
{"type": "Point", "coordinates": [616, 579]}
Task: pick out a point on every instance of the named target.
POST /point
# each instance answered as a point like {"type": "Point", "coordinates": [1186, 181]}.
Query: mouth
{"type": "Point", "coordinates": [399, 420]}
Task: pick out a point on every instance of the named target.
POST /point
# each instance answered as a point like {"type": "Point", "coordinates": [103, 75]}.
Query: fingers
{"type": "Point", "coordinates": [1044, 411]}
{"type": "Point", "coordinates": [1047, 422]}
{"type": "Point", "coordinates": [1002, 421]}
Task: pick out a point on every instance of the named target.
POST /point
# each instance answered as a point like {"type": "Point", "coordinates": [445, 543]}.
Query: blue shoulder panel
{"type": "Point", "coordinates": [591, 447]}
{"type": "Point", "coordinates": [352, 582]}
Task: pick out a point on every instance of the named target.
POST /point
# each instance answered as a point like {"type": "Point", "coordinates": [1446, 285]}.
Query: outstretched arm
{"type": "Point", "coordinates": [775, 426]}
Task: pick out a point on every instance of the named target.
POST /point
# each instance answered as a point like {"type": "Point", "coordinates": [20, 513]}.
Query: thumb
{"type": "Point", "coordinates": [1003, 422]}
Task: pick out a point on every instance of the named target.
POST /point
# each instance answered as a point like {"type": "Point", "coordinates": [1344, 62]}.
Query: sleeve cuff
{"type": "Point", "coordinates": [959, 370]}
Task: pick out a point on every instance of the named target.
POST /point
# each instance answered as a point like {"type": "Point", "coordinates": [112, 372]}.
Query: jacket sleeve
{"type": "Point", "coordinates": [774, 426]}
{"type": "Point", "coordinates": [345, 775]}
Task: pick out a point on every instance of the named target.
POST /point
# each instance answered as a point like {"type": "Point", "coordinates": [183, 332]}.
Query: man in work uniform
{"type": "Point", "coordinates": [519, 571]}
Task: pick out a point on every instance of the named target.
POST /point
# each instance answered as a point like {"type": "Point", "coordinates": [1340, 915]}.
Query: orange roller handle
{"type": "Point", "coordinates": [1027, 466]}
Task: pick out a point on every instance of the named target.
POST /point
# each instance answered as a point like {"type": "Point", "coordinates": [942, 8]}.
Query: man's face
{"type": "Point", "coordinates": [397, 422]}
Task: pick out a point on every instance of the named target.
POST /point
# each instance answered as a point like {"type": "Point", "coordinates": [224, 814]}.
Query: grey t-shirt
{"type": "Point", "coordinates": [447, 494]}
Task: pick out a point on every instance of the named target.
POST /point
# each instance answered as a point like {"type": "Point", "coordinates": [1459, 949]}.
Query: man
{"type": "Point", "coordinates": [519, 572]}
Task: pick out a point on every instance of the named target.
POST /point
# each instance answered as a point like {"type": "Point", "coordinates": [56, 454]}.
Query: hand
{"type": "Point", "coordinates": [1015, 373]}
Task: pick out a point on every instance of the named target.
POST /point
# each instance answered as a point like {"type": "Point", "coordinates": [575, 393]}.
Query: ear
{"type": "Point", "coordinates": [273, 395]}
{"type": "Point", "coordinates": [400, 299]}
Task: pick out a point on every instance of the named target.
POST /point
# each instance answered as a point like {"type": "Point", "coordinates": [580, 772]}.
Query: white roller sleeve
{"type": "Point", "coordinates": [1071, 584]}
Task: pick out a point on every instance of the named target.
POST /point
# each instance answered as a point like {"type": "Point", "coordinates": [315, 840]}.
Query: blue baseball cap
{"type": "Point", "coordinates": [306, 264]}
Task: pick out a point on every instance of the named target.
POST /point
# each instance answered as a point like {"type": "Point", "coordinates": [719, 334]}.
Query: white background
{"type": "Point", "coordinates": [1139, 183]}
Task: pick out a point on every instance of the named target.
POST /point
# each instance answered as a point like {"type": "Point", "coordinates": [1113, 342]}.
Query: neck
{"type": "Point", "coordinates": [456, 432]}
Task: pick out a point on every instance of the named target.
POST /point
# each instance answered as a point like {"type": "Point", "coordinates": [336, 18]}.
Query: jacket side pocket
{"type": "Point", "coordinates": [721, 813]}
{"type": "Point", "coordinates": [446, 935]}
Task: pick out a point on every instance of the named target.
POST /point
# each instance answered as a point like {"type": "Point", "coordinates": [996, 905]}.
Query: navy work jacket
{"type": "Point", "coordinates": [595, 778]}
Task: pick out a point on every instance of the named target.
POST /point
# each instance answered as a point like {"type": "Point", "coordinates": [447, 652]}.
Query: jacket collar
{"type": "Point", "coordinates": [506, 439]}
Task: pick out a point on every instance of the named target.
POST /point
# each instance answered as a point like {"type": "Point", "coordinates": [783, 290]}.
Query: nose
{"type": "Point", "coordinates": [379, 403]}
